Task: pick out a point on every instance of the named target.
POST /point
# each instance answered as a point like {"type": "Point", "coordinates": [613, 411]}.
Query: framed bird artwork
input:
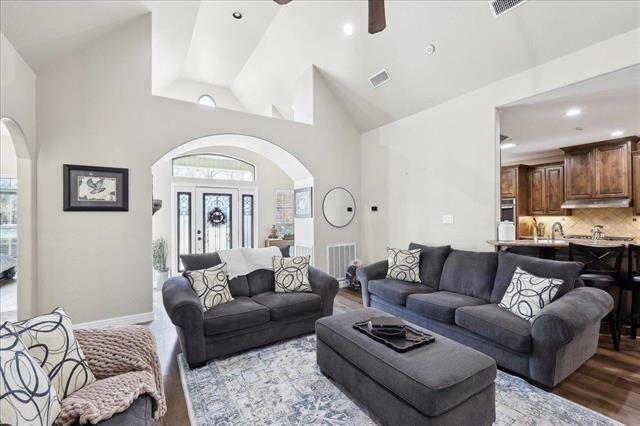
{"type": "Point", "coordinates": [93, 188]}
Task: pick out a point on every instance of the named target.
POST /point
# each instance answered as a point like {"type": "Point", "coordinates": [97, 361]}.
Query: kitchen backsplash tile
{"type": "Point", "coordinates": [618, 222]}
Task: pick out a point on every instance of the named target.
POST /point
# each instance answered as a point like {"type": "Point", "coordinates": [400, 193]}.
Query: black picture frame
{"type": "Point", "coordinates": [73, 179]}
{"type": "Point", "coordinates": [297, 195]}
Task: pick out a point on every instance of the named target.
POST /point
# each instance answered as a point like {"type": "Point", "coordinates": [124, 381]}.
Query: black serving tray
{"type": "Point", "coordinates": [412, 339]}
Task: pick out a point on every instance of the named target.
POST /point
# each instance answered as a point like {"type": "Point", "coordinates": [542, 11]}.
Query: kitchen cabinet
{"type": "Point", "coordinates": [513, 184]}
{"type": "Point", "coordinates": [600, 170]}
{"type": "Point", "coordinates": [635, 166]}
{"type": "Point", "coordinates": [546, 190]}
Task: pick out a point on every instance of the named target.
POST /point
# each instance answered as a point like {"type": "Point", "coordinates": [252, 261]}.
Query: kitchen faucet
{"type": "Point", "coordinates": [557, 226]}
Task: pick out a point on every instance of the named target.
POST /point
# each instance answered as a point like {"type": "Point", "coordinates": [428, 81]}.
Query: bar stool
{"type": "Point", "coordinates": [602, 269]}
{"type": "Point", "coordinates": [631, 284]}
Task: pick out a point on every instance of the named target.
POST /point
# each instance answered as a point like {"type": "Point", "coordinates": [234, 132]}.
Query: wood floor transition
{"type": "Point", "coordinates": [608, 383]}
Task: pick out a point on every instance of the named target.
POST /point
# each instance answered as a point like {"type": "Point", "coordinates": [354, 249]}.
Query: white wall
{"type": "Point", "coordinates": [18, 112]}
{"type": "Point", "coordinates": [443, 160]}
{"type": "Point", "coordinates": [95, 108]}
{"type": "Point", "coordinates": [270, 178]}
{"type": "Point", "coordinates": [189, 91]}
{"type": "Point", "coordinates": [8, 159]}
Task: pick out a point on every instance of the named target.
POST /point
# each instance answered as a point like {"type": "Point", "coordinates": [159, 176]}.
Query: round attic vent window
{"type": "Point", "coordinates": [206, 100]}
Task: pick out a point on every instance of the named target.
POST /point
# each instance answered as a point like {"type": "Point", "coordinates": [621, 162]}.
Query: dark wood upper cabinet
{"type": "Point", "coordinates": [554, 187]}
{"type": "Point", "coordinates": [635, 165]}
{"type": "Point", "coordinates": [509, 182]}
{"type": "Point", "coordinates": [536, 191]}
{"type": "Point", "coordinates": [546, 190]}
{"type": "Point", "coordinates": [579, 168]}
{"type": "Point", "coordinates": [613, 167]}
{"type": "Point", "coordinates": [599, 170]}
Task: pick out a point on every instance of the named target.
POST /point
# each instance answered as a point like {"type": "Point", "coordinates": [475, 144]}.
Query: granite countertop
{"type": "Point", "coordinates": [544, 242]}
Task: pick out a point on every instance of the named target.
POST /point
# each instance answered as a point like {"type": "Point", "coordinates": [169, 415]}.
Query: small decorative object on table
{"type": "Point", "coordinates": [273, 233]}
{"type": "Point", "coordinates": [394, 333]}
{"type": "Point", "coordinates": [92, 188]}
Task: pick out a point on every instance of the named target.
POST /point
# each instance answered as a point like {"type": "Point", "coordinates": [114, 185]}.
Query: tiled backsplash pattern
{"type": "Point", "coordinates": [618, 222]}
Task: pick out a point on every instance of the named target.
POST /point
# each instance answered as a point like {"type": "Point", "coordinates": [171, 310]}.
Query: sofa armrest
{"type": "Point", "coordinates": [571, 314]}
{"type": "Point", "coordinates": [565, 334]}
{"type": "Point", "coordinates": [182, 304]}
{"type": "Point", "coordinates": [375, 271]}
{"type": "Point", "coordinates": [184, 308]}
{"type": "Point", "coordinates": [325, 286]}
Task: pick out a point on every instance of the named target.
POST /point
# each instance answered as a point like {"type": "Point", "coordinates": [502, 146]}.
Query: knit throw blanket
{"type": "Point", "coordinates": [125, 364]}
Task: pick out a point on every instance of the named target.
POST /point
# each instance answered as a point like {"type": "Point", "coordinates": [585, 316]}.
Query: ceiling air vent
{"type": "Point", "coordinates": [500, 7]}
{"type": "Point", "coordinates": [379, 79]}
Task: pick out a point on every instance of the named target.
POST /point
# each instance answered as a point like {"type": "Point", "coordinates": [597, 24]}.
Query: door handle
{"type": "Point", "coordinates": [199, 238]}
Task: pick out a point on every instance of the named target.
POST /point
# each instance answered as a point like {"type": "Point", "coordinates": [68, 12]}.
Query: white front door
{"type": "Point", "coordinates": [217, 219]}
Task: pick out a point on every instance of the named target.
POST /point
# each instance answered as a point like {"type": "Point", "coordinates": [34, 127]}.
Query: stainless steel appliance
{"type": "Point", "coordinates": [508, 209]}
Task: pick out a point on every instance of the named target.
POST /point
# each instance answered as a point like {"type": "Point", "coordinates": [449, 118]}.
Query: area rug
{"type": "Point", "coordinates": [281, 384]}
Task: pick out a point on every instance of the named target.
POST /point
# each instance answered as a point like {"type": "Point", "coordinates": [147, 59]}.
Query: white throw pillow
{"type": "Point", "coordinates": [291, 274]}
{"type": "Point", "coordinates": [528, 294]}
{"type": "Point", "coordinates": [50, 340]}
{"type": "Point", "coordinates": [27, 395]}
{"type": "Point", "coordinates": [403, 265]}
{"type": "Point", "coordinates": [211, 285]}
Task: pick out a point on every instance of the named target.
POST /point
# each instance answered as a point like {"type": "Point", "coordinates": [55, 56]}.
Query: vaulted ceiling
{"type": "Point", "coordinates": [260, 56]}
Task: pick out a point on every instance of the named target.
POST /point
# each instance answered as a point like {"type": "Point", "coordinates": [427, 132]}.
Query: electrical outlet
{"type": "Point", "coordinates": [448, 219]}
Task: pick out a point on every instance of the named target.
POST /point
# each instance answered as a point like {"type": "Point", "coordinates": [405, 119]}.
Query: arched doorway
{"type": "Point", "coordinates": [262, 191]}
{"type": "Point", "coordinates": [17, 225]}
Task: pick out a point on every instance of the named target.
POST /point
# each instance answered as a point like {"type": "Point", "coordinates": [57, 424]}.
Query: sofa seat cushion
{"type": "Point", "coordinates": [240, 313]}
{"type": "Point", "coordinates": [440, 305]}
{"type": "Point", "coordinates": [496, 324]}
{"type": "Point", "coordinates": [284, 305]}
{"type": "Point", "coordinates": [396, 291]}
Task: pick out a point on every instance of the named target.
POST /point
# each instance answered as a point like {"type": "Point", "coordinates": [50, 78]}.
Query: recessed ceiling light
{"type": "Point", "coordinates": [507, 145]}
{"type": "Point", "coordinates": [430, 49]}
{"type": "Point", "coordinates": [347, 28]}
{"type": "Point", "coordinates": [617, 133]}
{"type": "Point", "coordinates": [573, 112]}
{"type": "Point", "coordinates": [237, 14]}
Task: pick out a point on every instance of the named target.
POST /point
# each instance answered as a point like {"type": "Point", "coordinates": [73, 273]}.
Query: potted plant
{"type": "Point", "coordinates": [160, 255]}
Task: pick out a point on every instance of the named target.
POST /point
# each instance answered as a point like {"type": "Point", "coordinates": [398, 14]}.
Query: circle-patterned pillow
{"type": "Point", "coordinates": [291, 274]}
{"type": "Point", "coordinates": [404, 265]}
{"type": "Point", "coordinates": [211, 285]}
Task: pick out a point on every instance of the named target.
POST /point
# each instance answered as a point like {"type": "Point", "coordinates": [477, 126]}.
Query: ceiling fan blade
{"type": "Point", "coordinates": [282, 1]}
{"type": "Point", "coordinates": [377, 21]}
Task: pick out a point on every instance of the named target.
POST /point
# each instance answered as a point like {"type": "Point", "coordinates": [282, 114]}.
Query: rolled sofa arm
{"type": "Point", "coordinates": [184, 308]}
{"type": "Point", "coordinates": [565, 333]}
{"type": "Point", "coordinates": [375, 271]}
{"type": "Point", "coordinates": [325, 286]}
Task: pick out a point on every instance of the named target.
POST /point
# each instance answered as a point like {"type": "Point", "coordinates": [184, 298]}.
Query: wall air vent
{"type": "Point", "coordinates": [379, 79]}
{"type": "Point", "coordinates": [500, 7]}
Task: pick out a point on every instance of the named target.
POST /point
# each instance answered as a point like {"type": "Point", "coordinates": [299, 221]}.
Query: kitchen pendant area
{"type": "Point", "coordinates": [570, 165]}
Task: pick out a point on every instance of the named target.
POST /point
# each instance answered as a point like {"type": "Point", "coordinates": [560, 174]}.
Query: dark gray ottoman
{"type": "Point", "coordinates": [443, 383]}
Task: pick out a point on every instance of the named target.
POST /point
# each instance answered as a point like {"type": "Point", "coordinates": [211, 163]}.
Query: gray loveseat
{"type": "Point", "coordinates": [459, 295]}
{"type": "Point", "coordinates": [256, 316]}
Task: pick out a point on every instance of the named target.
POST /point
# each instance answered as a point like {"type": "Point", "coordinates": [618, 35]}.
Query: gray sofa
{"type": "Point", "coordinates": [459, 295]}
{"type": "Point", "coordinates": [256, 316]}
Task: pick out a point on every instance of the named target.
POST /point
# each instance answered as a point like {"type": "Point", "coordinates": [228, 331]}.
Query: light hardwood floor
{"type": "Point", "coordinates": [608, 383]}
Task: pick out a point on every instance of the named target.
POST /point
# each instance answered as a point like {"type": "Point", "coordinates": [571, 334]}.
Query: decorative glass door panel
{"type": "Point", "coordinates": [183, 224]}
{"type": "Point", "coordinates": [218, 220]}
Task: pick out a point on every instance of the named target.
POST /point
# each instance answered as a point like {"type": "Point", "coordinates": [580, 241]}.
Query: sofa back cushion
{"type": "Point", "coordinates": [470, 273]}
{"type": "Point", "coordinates": [508, 262]}
{"type": "Point", "coordinates": [431, 263]}
{"type": "Point", "coordinates": [239, 286]}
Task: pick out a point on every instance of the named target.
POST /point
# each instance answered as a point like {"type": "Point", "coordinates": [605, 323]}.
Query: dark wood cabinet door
{"type": "Point", "coordinates": [554, 188]}
{"type": "Point", "coordinates": [508, 182]}
{"type": "Point", "coordinates": [537, 191]}
{"type": "Point", "coordinates": [636, 182]}
{"type": "Point", "coordinates": [612, 172]}
{"type": "Point", "coordinates": [578, 174]}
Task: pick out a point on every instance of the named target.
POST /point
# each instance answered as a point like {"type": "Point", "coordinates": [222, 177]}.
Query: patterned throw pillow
{"type": "Point", "coordinates": [528, 294]}
{"type": "Point", "coordinates": [50, 340]}
{"type": "Point", "coordinates": [27, 396]}
{"type": "Point", "coordinates": [291, 274]}
{"type": "Point", "coordinates": [211, 285]}
{"type": "Point", "coordinates": [404, 265]}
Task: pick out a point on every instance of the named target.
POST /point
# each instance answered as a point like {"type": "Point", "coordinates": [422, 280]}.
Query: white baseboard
{"type": "Point", "coordinates": [125, 320]}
